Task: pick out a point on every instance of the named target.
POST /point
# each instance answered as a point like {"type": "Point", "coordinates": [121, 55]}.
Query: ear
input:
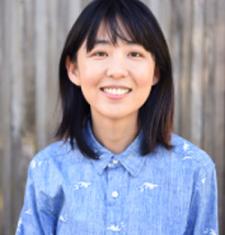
{"type": "Point", "coordinates": [156, 76]}
{"type": "Point", "coordinates": [72, 71]}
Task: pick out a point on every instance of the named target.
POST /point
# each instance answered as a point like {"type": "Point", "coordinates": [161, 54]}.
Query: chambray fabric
{"type": "Point", "coordinates": [167, 192]}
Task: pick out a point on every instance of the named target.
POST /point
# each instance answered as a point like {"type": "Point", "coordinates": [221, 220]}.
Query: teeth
{"type": "Point", "coordinates": [116, 91]}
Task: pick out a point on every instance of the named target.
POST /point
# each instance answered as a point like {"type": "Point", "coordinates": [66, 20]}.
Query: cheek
{"type": "Point", "coordinates": [88, 85]}
{"type": "Point", "coordinates": [144, 75]}
{"type": "Point", "coordinates": [90, 75]}
{"type": "Point", "coordinates": [145, 81]}
{"type": "Point", "coordinates": [87, 79]}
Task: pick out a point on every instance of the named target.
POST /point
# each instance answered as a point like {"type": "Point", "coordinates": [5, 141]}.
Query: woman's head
{"type": "Point", "coordinates": [126, 21]}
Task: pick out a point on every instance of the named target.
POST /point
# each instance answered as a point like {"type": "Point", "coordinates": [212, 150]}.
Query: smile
{"type": "Point", "coordinates": [115, 91]}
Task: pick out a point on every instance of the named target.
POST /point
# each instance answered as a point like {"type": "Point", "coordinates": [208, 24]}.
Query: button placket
{"type": "Point", "coordinates": [112, 190]}
{"type": "Point", "coordinates": [113, 163]}
{"type": "Point", "coordinates": [113, 199]}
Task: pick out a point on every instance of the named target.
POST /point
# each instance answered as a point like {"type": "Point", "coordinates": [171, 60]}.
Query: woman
{"type": "Point", "coordinates": [118, 168]}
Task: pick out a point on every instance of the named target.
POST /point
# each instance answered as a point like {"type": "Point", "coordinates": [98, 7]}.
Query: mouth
{"type": "Point", "coordinates": [116, 91]}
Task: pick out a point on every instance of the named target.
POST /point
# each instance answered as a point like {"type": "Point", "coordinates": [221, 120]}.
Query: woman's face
{"type": "Point", "coordinates": [115, 79]}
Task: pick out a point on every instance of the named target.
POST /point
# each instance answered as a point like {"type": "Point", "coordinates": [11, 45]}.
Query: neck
{"type": "Point", "coordinates": [115, 135]}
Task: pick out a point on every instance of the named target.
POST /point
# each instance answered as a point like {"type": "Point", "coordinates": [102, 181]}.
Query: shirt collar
{"type": "Point", "coordinates": [130, 158]}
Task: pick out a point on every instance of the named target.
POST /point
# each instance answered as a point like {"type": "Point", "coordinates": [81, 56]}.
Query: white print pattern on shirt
{"type": "Point", "coordinates": [20, 222]}
{"type": "Point", "coordinates": [114, 228]}
{"type": "Point", "coordinates": [28, 212]}
{"type": "Point", "coordinates": [210, 232]}
{"type": "Point", "coordinates": [203, 180]}
{"type": "Point", "coordinates": [62, 219]}
{"type": "Point", "coordinates": [185, 147]}
{"type": "Point", "coordinates": [148, 185]}
{"type": "Point", "coordinates": [34, 164]}
{"type": "Point", "coordinates": [187, 157]}
{"type": "Point", "coordinates": [82, 184]}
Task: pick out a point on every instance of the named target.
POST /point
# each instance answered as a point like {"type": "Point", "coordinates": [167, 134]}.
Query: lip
{"type": "Point", "coordinates": [115, 86]}
{"type": "Point", "coordinates": [115, 96]}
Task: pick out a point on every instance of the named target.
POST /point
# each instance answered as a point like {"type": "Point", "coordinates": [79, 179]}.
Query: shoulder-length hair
{"type": "Point", "coordinates": [156, 115]}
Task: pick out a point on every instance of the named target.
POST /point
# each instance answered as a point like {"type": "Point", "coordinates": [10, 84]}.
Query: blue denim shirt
{"type": "Point", "coordinates": [167, 192]}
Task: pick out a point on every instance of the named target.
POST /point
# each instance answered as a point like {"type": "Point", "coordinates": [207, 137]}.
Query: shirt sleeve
{"type": "Point", "coordinates": [203, 215]}
{"type": "Point", "coordinates": [35, 217]}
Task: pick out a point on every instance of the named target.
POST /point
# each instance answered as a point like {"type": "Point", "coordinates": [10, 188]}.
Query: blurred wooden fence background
{"type": "Point", "coordinates": [32, 34]}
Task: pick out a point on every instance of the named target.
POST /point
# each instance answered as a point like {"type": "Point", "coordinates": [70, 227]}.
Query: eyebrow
{"type": "Point", "coordinates": [107, 42]}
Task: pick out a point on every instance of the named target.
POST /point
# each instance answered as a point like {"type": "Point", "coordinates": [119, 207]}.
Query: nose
{"type": "Point", "coordinates": [117, 68]}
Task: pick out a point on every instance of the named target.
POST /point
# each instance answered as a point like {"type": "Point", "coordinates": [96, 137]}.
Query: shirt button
{"type": "Point", "coordinates": [115, 194]}
{"type": "Point", "coordinates": [114, 161]}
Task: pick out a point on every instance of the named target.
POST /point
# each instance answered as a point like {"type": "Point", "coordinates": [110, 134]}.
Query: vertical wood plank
{"type": "Point", "coordinates": [196, 76]}
{"type": "Point", "coordinates": [63, 27]}
{"type": "Point", "coordinates": [219, 107]}
{"type": "Point", "coordinates": [52, 66]}
{"type": "Point", "coordinates": [17, 103]}
{"type": "Point", "coordinates": [208, 76]}
{"type": "Point", "coordinates": [184, 82]}
{"type": "Point", "coordinates": [74, 10]}
{"type": "Point", "coordinates": [174, 39]}
{"type": "Point", "coordinates": [41, 49]}
{"type": "Point", "coordinates": [84, 2]}
{"type": "Point", "coordinates": [29, 67]}
{"type": "Point", "coordinates": [164, 15]}
{"type": "Point", "coordinates": [155, 7]}
{"type": "Point", "coordinates": [6, 119]}
{"type": "Point", "coordinates": [1, 114]}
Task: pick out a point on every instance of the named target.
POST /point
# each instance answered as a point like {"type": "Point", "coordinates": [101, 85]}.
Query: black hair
{"type": "Point", "coordinates": [156, 115]}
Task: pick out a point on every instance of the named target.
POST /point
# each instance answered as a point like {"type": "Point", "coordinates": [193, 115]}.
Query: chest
{"type": "Point", "coordinates": [117, 203]}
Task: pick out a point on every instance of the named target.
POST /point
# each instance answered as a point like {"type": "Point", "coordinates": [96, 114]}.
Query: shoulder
{"type": "Point", "coordinates": [183, 159]}
{"type": "Point", "coordinates": [184, 162]}
{"type": "Point", "coordinates": [56, 151]}
{"type": "Point", "coordinates": [189, 154]}
{"type": "Point", "coordinates": [53, 164]}
{"type": "Point", "coordinates": [55, 157]}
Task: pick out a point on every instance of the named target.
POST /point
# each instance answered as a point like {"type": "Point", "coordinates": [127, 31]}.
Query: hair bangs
{"type": "Point", "coordinates": [117, 23]}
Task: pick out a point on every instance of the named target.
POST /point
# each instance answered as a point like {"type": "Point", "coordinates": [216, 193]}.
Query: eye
{"type": "Point", "coordinates": [135, 54]}
{"type": "Point", "coordinates": [100, 54]}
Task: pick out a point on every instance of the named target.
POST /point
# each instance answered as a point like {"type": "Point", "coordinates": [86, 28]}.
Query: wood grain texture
{"type": "Point", "coordinates": [1, 115]}
{"type": "Point", "coordinates": [6, 119]}
{"type": "Point", "coordinates": [32, 35]}
{"type": "Point", "coordinates": [218, 104]}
